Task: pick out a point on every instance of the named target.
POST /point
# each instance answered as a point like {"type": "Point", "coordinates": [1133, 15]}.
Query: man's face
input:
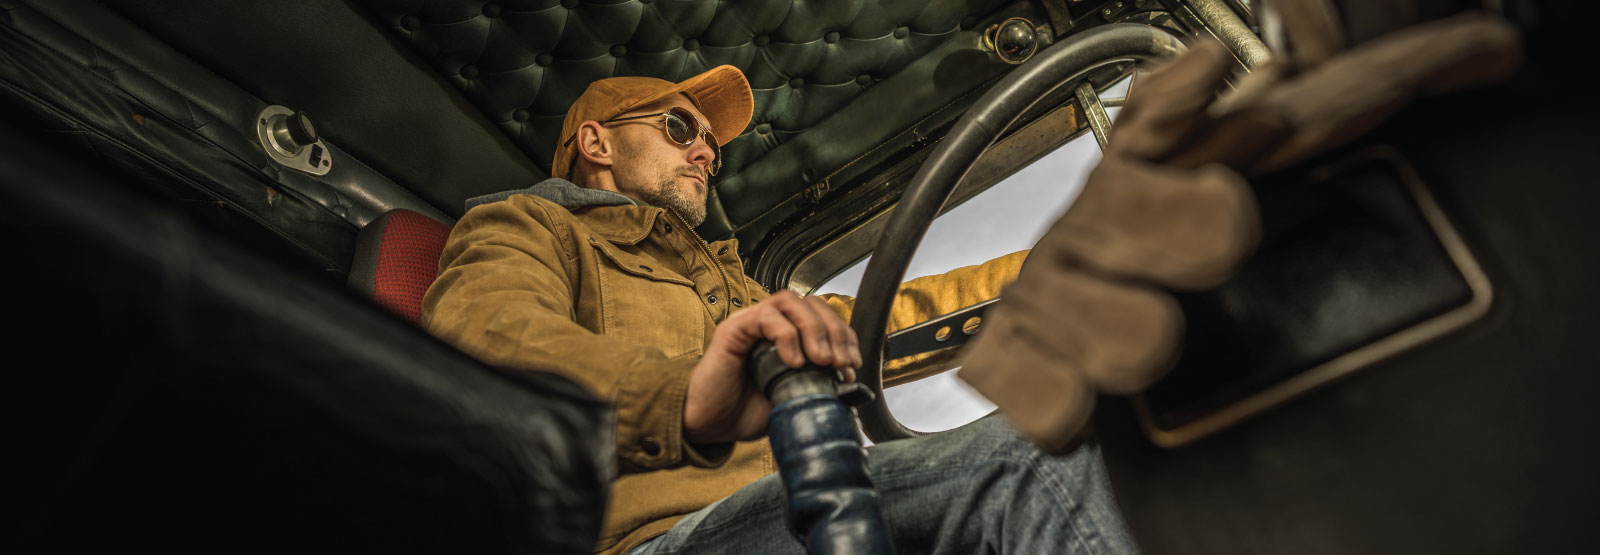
{"type": "Point", "coordinates": [654, 169]}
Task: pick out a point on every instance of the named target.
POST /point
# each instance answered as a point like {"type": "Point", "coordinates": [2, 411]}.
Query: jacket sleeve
{"type": "Point", "coordinates": [505, 294]}
{"type": "Point", "coordinates": [930, 296]}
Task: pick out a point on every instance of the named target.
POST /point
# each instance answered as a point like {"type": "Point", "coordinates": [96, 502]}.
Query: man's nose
{"type": "Point", "coordinates": [700, 153]}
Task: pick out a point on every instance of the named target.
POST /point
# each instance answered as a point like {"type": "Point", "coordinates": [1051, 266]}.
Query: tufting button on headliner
{"type": "Point", "coordinates": [690, 44]}
{"type": "Point", "coordinates": [619, 50]}
{"type": "Point", "coordinates": [569, 4]}
{"type": "Point", "coordinates": [544, 59]}
{"type": "Point", "coordinates": [797, 82]}
{"type": "Point", "coordinates": [863, 79]}
{"type": "Point", "coordinates": [469, 71]}
{"type": "Point", "coordinates": [491, 10]}
{"type": "Point", "coordinates": [519, 114]}
{"type": "Point", "coordinates": [761, 40]}
{"type": "Point", "coordinates": [831, 37]}
{"type": "Point", "coordinates": [411, 23]}
{"type": "Point", "coordinates": [764, 128]}
{"type": "Point", "coordinates": [901, 32]}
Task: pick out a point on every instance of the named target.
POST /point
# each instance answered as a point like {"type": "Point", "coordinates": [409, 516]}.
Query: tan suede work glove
{"type": "Point", "coordinates": [1167, 209]}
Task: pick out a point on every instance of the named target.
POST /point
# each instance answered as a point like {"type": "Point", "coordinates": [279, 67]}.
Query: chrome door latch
{"type": "Point", "coordinates": [291, 140]}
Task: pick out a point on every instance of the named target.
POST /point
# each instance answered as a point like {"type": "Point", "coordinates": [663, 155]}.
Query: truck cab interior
{"type": "Point", "coordinates": [224, 213]}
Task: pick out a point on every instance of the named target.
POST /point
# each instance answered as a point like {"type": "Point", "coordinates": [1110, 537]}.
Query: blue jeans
{"type": "Point", "coordinates": [976, 489]}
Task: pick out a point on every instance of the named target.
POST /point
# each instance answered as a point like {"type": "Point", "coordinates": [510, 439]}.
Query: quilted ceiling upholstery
{"type": "Point", "coordinates": [526, 61]}
{"type": "Point", "coordinates": [523, 62]}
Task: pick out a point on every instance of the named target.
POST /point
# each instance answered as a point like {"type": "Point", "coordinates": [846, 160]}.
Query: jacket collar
{"type": "Point", "coordinates": [615, 216]}
{"type": "Point", "coordinates": [562, 192]}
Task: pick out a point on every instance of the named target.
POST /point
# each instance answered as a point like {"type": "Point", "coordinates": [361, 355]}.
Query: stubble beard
{"type": "Point", "coordinates": [667, 194]}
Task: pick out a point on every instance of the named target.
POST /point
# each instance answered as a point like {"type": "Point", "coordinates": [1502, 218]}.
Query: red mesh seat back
{"type": "Point", "coordinates": [397, 258]}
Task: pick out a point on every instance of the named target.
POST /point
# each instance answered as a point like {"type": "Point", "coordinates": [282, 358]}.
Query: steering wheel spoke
{"type": "Point", "coordinates": [1095, 112]}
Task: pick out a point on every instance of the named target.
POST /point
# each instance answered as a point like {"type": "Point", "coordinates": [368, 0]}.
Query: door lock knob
{"type": "Point", "coordinates": [290, 139]}
{"type": "Point", "coordinates": [291, 132]}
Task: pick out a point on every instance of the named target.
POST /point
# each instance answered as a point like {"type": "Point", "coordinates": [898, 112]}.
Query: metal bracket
{"type": "Point", "coordinates": [814, 193]}
{"type": "Point", "coordinates": [950, 330]}
{"type": "Point", "coordinates": [1060, 16]}
{"type": "Point", "coordinates": [289, 139]}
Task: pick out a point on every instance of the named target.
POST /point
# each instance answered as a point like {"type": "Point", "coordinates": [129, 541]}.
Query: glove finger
{"type": "Point", "coordinates": [1237, 140]}
{"type": "Point", "coordinates": [1352, 93]}
{"type": "Point", "coordinates": [1184, 229]}
{"type": "Point", "coordinates": [1253, 86]}
{"type": "Point", "coordinates": [1170, 103]}
{"type": "Point", "coordinates": [1121, 335]}
{"type": "Point", "coordinates": [1045, 401]}
{"type": "Point", "coordinates": [1311, 29]}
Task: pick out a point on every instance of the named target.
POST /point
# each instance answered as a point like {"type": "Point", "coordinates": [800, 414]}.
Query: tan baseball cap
{"type": "Point", "coordinates": [722, 94]}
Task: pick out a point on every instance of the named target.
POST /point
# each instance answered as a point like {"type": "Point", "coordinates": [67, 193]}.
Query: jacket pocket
{"type": "Point", "coordinates": [645, 303]}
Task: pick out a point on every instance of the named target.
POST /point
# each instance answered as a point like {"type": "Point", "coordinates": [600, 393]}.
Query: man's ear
{"type": "Point", "coordinates": [596, 144]}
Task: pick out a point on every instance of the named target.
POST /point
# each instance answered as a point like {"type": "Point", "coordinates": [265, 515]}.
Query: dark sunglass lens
{"type": "Point", "coordinates": [679, 130]}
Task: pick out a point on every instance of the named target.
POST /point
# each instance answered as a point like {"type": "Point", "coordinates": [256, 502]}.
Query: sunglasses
{"type": "Point", "coordinates": [682, 128]}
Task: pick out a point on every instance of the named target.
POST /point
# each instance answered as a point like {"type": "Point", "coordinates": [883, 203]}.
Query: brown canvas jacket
{"type": "Point", "coordinates": [623, 299]}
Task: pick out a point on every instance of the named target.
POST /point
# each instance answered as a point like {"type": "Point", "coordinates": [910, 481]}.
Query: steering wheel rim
{"type": "Point", "coordinates": [1061, 64]}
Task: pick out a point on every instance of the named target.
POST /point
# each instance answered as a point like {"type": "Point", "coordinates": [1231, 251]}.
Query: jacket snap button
{"type": "Point", "coordinates": [711, 299]}
{"type": "Point", "coordinates": [722, 251]}
{"type": "Point", "coordinates": [667, 228]}
{"type": "Point", "coordinates": [737, 302]}
{"type": "Point", "coordinates": [645, 268]}
{"type": "Point", "coordinates": [650, 446]}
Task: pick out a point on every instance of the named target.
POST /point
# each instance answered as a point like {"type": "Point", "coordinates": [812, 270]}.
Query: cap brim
{"type": "Point", "coordinates": [722, 94]}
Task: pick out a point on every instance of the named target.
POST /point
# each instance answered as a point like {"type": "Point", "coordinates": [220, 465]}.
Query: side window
{"type": "Point", "coordinates": [1005, 218]}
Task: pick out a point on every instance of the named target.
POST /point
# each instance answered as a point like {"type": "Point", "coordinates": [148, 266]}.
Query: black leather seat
{"type": "Point", "coordinates": [183, 394]}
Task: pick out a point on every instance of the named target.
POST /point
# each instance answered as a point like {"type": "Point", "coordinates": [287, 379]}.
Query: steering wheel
{"type": "Point", "coordinates": [1063, 64]}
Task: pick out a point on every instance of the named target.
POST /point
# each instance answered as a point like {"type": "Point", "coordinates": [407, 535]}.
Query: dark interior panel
{"type": "Point", "coordinates": [1479, 442]}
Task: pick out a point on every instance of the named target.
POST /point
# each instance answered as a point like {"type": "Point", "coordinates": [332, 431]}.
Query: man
{"type": "Point", "coordinates": [603, 280]}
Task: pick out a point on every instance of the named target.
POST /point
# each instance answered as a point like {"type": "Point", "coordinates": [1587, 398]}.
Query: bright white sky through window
{"type": "Point", "coordinates": [1009, 217]}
